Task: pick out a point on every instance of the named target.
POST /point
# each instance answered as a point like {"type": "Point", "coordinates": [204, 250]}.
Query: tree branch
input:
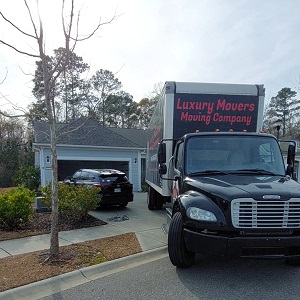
{"type": "Point", "coordinates": [4, 77]}
{"type": "Point", "coordinates": [19, 51]}
{"type": "Point", "coordinates": [31, 19]}
{"type": "Point", "coordinates": [94, 31]}
{"type": "Point", "coordinates": [13, 105]}
{"type": "Point", "coordinates": [16, 27]}
{"type": "Point", "coordinates": [12, 116]}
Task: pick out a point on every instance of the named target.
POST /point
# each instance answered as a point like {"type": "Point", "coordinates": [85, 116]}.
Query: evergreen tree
{"type": "Point", "coordinates": [284, 108]}
{"type": "Point", "coordinates": [120, 109]}
{"type": "Point", "coordinates": [66, 94]}
{"type": "Point", "coordinates": [103, 85]}
{"type": "Point", "coordinates": [14, 150]}
{"type": "Point", "coordinates": [144, 111]}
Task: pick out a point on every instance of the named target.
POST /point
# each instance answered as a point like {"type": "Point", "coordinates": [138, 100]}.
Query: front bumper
{"type": "Point", "coordinates": [242, 246]}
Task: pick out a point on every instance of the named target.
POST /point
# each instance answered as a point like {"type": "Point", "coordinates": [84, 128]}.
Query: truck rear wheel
{"type": "Point", "coordinates": [178, 253]}
{"type": "Point", "coordinates": [151, 198]}
{"type": "Point", "coordinates": [292, 261]}
{"type": "Point", "coordinates": [155, 200]}
{"type": "Point", "coordinates": [159, 202]}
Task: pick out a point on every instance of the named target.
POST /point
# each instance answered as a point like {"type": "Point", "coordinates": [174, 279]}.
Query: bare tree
{"type": "Point", "coordinates": [51, 72]}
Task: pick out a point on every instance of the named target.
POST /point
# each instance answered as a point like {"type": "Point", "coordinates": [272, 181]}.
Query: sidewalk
{"type": "Point", "coordinates": [144, 223]}
{"type": "Point", "coordinates": [147, 225]}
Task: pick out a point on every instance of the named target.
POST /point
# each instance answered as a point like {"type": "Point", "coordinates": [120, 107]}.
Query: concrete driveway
{"type": "Point", "coordinates": [136, 217]}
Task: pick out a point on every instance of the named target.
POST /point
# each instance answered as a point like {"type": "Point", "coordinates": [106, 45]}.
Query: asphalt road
{"type": "Point", "coordinates": [210, 278]}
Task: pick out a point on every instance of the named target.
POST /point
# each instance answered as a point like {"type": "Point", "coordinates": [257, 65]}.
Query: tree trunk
{"type": "Point", "coordinates": [54, 243]}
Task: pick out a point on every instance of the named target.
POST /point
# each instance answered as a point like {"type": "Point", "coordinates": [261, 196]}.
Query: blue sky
{"type": "Point", "coordinates": [151, 41]}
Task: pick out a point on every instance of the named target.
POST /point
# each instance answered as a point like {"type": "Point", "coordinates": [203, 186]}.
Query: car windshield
{"type": "Point", "coordinates": [238, 153]}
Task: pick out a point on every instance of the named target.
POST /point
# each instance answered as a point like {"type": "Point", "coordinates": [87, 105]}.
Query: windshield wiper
{"type": "Point", "coordinates": [258, 171]}
{"type": "Point", "coordinates": [209, 172]}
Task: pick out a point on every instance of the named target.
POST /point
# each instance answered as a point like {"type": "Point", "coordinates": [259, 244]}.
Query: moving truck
{"type": "Point", "coordinates": [229, 190]}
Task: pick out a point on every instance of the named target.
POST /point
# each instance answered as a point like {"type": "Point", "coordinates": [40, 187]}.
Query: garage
{"type": "Point", "coordinates": [69, 167]}
{"type": "Point", "coordinates": [86, 144]}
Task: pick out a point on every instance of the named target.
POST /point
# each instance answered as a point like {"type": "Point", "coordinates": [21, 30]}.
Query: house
{"type": "Point", "coordinates": [84, 143]}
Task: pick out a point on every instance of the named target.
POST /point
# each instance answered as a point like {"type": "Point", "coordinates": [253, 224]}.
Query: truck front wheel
{"type": "Point", "coordinates": [178, 253]}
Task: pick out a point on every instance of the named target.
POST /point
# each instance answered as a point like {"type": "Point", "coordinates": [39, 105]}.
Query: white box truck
{"type": "Point", "coordinates": [230, 191]}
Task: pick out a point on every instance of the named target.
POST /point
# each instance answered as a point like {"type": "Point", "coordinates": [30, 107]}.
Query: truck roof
{"type": "Point", "coordinates": [232, 133]}
{"type": "Point", "coordinates": [214, 88]}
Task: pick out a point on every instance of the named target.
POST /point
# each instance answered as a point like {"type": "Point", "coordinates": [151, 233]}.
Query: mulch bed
{"type": "Point", "coordinates": [41, 224]}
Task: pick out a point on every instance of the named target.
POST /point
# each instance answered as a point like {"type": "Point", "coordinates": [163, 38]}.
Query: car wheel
{"type": "Point", "coordinates": [178, 253]}
{"type": "Point", "coordinates": [123, 204]}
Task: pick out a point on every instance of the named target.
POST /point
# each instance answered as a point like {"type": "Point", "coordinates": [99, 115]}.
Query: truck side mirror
{"type": "Point", "coordinates": [162, 169]}
{"type": "Point", "coordinates": [290, 160]}
{"type": "Point", "coordinates": [161, 153]}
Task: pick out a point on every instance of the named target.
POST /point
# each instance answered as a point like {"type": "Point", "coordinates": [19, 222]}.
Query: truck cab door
{"type": "Point", "coordinates": [178, 169]}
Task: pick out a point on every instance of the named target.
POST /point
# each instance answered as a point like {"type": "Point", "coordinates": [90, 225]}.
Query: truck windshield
{"type": "Point", "coordinates": [255, 154]}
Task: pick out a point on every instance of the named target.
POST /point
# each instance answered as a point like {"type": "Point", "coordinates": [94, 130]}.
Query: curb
{"type": "Point", "coordinates": [66, 281]}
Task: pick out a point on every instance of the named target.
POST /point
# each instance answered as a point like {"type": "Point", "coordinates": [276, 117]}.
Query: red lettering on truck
{"type": "Point", "coordinates": [195, 105]}
{"type": "Point", "coordinates": [235, 106]}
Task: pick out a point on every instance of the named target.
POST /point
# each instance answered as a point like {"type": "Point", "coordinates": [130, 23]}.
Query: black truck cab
{"type": "Point", "coordinates": [232, 195]}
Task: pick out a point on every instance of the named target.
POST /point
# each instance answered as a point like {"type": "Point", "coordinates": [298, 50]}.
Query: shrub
{"type": "Point", "coordinates": [15, 207]}
{"type": "Point", "coordinates": [28, 176]}
{"type": "Point", "coordinates": [74, 202]}
{"type": "Point", "coordinates": [5, 190]}
{"type": "Point", "coordinates": [145, 187]}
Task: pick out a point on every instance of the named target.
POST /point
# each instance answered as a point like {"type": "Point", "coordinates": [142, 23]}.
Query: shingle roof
{"type": "Point", "coordinates": [85, 132]}
{"type": "Point", "coordinates": [138, 136]}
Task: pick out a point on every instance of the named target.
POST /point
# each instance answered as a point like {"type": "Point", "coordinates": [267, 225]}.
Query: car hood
{"type": "Point", "coordinates": [229, 187]}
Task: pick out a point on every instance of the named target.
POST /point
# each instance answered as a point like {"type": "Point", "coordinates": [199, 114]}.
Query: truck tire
{"type": "Point", "coordinates": [159, 202]}
{"type": "Point", "coordinates": [178, 253]}
{"type": "Point", "coordinates": [151, 198]}
{"type": "Point", "coordinates": [292, 261]}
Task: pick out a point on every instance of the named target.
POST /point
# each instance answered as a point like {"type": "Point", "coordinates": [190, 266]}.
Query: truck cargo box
{"type": "Point", "coordinates": [186, 107]}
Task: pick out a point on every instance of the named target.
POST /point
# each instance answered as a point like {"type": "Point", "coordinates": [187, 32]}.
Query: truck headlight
{"type": "Point", "coordinates": [201, 214]}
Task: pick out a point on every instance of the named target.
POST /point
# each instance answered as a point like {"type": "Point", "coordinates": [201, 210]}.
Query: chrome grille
{"type": "Point", "coordinates": [248, 213]}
